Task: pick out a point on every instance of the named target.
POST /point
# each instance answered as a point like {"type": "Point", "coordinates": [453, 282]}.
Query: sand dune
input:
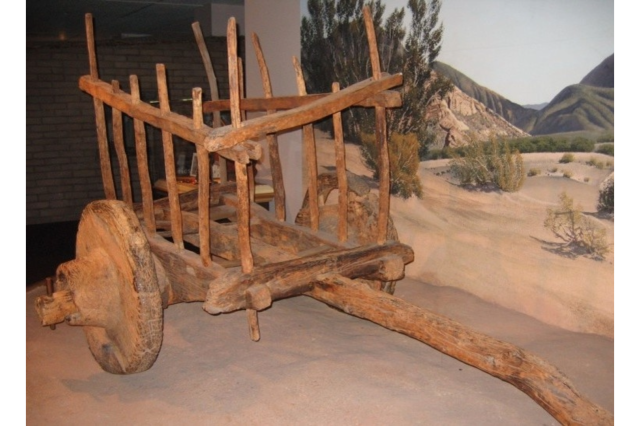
{"type": "Point", "coordinates": [494, 244]}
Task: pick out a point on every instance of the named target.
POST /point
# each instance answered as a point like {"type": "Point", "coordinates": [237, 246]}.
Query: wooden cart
{"type": "Point", "coordinates": [216, 246]}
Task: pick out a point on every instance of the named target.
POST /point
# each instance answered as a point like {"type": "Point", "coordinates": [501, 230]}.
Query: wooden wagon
{"type": "Point", "coordinates": [216, 246]}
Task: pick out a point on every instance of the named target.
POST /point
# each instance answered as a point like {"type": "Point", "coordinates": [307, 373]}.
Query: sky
{"type": "Point", "coordinates": [525, 50]}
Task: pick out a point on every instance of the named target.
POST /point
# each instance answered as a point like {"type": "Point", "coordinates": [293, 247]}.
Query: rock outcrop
{"type": "Point", "coordinates": [460, 118]}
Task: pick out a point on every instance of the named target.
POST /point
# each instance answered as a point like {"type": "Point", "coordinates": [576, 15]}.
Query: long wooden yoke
{"type": "Point", "coordinates": [133, 260]}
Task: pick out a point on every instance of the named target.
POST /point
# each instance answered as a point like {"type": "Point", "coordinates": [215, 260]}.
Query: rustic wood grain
{"type": "Point", "coordinates": [121, 154]}
{"type": "Point", "coordinates": [169, 160]}
{"type": "Point", "coordinates": [146, 187]}
{"type": "Point", "coordinates": [272, 140]}
{"type": "Point", "coordinates": [341, 172]}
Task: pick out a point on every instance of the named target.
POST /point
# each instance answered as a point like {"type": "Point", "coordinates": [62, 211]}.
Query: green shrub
{"type": "Point", "coordinates": [534, 172]}
{"type": "Point", "coordinates": [403, 162]}
{"type": "Point", "coordinates": [579, 232]}
{"type": "Point", "coordinates": [567, 158]}
{"type": "Point", "coordinates": [605, 199]}
{"type": "Point", "coordinates": [606, 148]}
{"type": "Point", "coordinates": [489, 163]}
{"type": "Point", "coordinates": [581, 144]}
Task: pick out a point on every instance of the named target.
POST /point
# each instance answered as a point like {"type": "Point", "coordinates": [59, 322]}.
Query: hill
{"type": "Point", "coordinates": [587, 106]}
{"type": "Point", "coordinates": [602, 75]}
{"type": "Point", "coordinates": [577, 107]}
{"type": "Point", "coordinates": [519, 116]}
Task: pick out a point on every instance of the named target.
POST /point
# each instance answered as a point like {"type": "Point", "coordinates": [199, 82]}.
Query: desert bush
{"type": "Point", "coordinates": [403, 162]}
{"type": "Point", "coordinates": [586, 179]}
{"type": "Point", "coordinates": [567, 157]}
{"type": "Point", "coordinates": [489, 163]}
{"type": "Point", "coordinates": [567, 173]}
{"type": "Point", "coordinates": [534, 171]}
{"type": "Point", "coordinates": [605, 137]}
{"type": "Point", "coordinates": [580, 233]}
{"type": "Point", "coordinates": [553, 169]}
{"type": "Point", "coordinates": [605, 199]}
{"type": "Point", "coordinates": [593, 161]}
{"type": "Point", "coordinates": [606, 148]}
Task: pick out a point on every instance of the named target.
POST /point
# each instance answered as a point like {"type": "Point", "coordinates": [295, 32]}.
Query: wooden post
{"type": "Point", "coordinates": [213, 88]}
{"type": "Point", "coordinates": [169, 161]}
{"type": "Point", "coordinates": [341, 172]}
{"type": "Point", "coordinates": [98, 106]}
{"type": "Point", "coordinates": [208, 66]}
{"type": "Point", "coordinates": [381, 135]}
{"type": "Point", "coordinates": [310, 155]}
{"type": "Point", "coordinates": [272, 139]}
{"type": "Point", "coordinates": [118, 141]}
{"type": "Point", "coordinates": [204, 172]}
{"type": "Point", "coordinates": [143, 163]}
{"type": "Point", "coordinates": [244, 238]}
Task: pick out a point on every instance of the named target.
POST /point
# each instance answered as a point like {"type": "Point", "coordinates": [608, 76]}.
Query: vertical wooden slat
{"type": "Point", "coordinates": [169, 161]}
{"type": "Point", "coordinates": [203, 183]}
{"type": "Point", "coordinates": [208, 66]}
{"type": "Point", "coordinates": [243, 117]}
{"type": "Point", "coordinates": [143, 162]}
{"type": "Point", "coordinates": [213, 88]}
{"type": "Point", "coordinates": [244, 240]}
{"type": "Point", "coordinates": [118, 141]}
{"type": "Point", "coordinates": [310, 154]}
{"type": "Point", "coordinates": [341, 172]}
{"type": "Point", "coordinates": [272, 139]}
{"type": "Point", "coordinates": [381, 135]}
{"type": "Point", "coordinates": [98, 106]}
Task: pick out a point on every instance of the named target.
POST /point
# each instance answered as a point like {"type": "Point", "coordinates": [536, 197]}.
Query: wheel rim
{"type": "Point", "coordinates": [115, 287]}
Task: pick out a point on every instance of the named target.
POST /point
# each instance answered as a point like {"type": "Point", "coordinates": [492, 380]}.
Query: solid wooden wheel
{"type": "Point", "coordinates": [114, 285]}
{"type": "Point", "coordinates": [362, 218]}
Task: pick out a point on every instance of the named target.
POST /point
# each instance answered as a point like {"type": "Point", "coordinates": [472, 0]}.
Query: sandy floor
{"type": "Point", "coordinates": [313, 366]}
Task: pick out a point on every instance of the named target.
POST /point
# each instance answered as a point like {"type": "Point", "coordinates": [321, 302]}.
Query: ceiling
{"type": "Point", "coordinates": [64, 19]}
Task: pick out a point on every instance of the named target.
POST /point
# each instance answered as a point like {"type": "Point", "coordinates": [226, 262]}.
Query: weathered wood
{"type": "Point", "coordinates": [386, 98]}
{"type": "Point", "coordinates": [224, 242]}
{"type": "Point", "coordinates": [244, 241]}
{"type": "Point", "coordinates": [311, 159]}
{"type": "Point", "coordinates": [146, 187]}
{"type": "Point", "coordinates": [341, 172]}
{"type": "Point", "coordinates": [118, 142]}
{"type": "Point", "coordinates": [272, 140]}
{"type": "Point", "coordinates": [91, 46]}
{"type": "Point", "coordinates": [171, 122]}
{"type": "Point", "coordinates": [169, 160]}
{"type": "Point", "coordinates": [53, 309]}
{"type": "Point", "coordinates": [208, 66]}
{"type": "Point", "coordinates": [385, 262]}
{"type": "Point", "coordinates": [285, 120]}
{"type": "Point", "coordinates": [203, 183]}
{"type": "Point", "coordinates": [538, 379]}
{"type": "Point", "coordinates": [186, 280]}
{"type": "Point", "coordinates": [98, 106]}
{"type": "Point", "coordinates": [381, 134]}
{"type": "Point", "coordinates": [114, 287]}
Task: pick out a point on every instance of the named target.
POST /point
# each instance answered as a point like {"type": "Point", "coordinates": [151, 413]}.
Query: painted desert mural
{"type": "Point", "coordinates": [509, 200]}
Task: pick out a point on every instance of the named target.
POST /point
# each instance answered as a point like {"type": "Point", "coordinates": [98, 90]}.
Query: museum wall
{"type": "Point", "coordinates": [62, 163]}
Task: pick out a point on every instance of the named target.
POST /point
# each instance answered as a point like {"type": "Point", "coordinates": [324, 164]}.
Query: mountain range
{"type": "Point", "coordinates": [587, 105]}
